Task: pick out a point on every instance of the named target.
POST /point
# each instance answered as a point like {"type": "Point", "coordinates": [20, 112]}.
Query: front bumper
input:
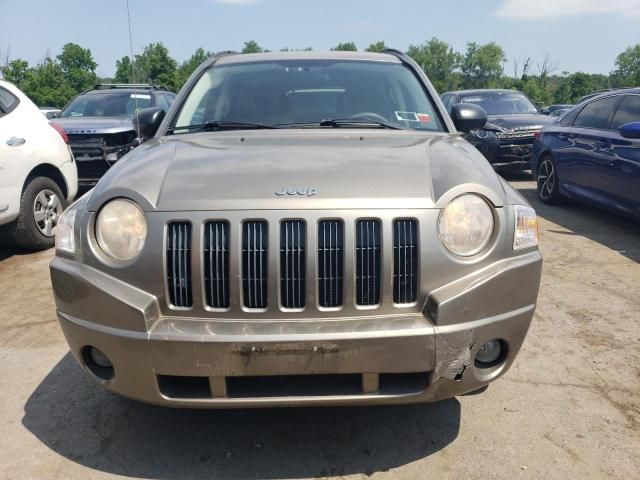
{"type": "Point", "coordinates": [505, 152]}
{"type": "Point", "coordinates": [208, 362]}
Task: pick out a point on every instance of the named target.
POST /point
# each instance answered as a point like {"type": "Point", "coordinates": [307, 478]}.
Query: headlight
{"type": "Point", "coordinates": [65, 232]}
{"type": "Point", "coordinates": [121, 229]}
{"type": "Point", "coordinates": [526, 228]}
{"type": "Point", "coordinates": [465, 225]}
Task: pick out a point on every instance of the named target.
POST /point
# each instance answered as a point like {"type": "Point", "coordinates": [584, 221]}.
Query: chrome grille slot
{"type": "Point", "coordinates": [368, 260]}
{"type": "Point", "coordinates": [292, 263]}
{"type": "Point", "coordinates": [216, 264]}
{"type": "Point", "coordinates": [254, 263]}
{"type": "Point", "coordinates": [179, 264]}
{"type": "Point", "coordinates": [330, 263]}
{"type": "Point", "coordinates": [405, 260]}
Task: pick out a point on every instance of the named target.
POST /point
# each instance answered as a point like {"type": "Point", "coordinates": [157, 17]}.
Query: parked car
{"type": "Point", "coordinates": [37, 172]}
{"type": "Point", "coordinates": [593, 154]}
{"type": "Point", "coordinates": [302, 228]}
{"type": "Point", "coordinates": [513, 120]}
{"type": "Point", "coordinates": [99, 124]}
{"type": "Point", "coordinates": [554, 108]}
{"type": "Point", "coordinates": [596, 93]}
{"type": "Point", "coordinates": [50, 112]}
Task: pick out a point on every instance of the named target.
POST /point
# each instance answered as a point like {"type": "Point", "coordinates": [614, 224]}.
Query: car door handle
{"type": "Point", "coordinates": [15, 141]}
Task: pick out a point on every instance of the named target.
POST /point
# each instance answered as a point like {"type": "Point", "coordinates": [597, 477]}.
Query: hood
{"type": "Point", "coordinates": [93, 125]}
{"type": "Point", "coordinates": [297, 170]}
{"type": "Point", "coordinates": [510, 122]}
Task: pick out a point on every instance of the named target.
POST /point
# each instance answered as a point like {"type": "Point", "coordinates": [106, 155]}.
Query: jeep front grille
{"type": "Point", "coordinates": [216, 264]}
{"type": "Point", "coordinates": [265, 266]}
{"type": "Point", "coordinates": [405, 260]}
{"type": "Point", "coordinates": [330, 263]}
{"type": "Point", "coordinates": [368, 262]}
{"type": "Point", "coordinates": [292, 263]}
{"type": "Point", "coordinates": [254, 263]}
{"type": "Point", "coordinates": [179, 264]}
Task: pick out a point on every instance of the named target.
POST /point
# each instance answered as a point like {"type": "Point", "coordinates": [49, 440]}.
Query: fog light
{"type": "Point", "coordinates": [489, 354]}
{"type": "Point", "coordinates": [99, 358]}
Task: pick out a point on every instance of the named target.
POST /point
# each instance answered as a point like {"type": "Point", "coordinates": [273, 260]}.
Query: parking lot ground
{"type": "Point", "coordinates": [569, 408]}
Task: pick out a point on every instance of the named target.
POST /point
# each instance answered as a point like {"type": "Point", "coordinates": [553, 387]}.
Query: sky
{"type": "Point", "coordinates": [578, 35]}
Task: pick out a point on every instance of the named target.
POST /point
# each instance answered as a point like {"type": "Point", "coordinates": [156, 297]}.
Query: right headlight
{"type": "Point", "coordinates": [121, 229]}
{"type": "Point", "coordinates": [465, 225]}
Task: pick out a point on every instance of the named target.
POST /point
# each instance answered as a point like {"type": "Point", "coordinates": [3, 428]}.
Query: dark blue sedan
{"type": "Point", "coordinates": [592, 153]}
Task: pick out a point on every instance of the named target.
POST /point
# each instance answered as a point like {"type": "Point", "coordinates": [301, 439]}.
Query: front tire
{"type": "Point", "coordinates": [548, 181]}
{"type": "Point", "coordinates": [41, 206]}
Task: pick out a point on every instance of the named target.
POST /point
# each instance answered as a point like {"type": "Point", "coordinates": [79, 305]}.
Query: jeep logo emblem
{"type": "Point", "coordinates": [303, 192]}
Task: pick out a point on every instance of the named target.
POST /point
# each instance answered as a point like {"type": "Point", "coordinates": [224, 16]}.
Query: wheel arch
{"type": "Point", "coordinates": [49, 171]}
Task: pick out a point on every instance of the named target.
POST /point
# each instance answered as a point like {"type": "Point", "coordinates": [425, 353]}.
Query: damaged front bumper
{"type": "Point", "coordinates": [207, 362]}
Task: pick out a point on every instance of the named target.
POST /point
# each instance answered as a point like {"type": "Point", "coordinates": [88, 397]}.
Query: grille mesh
{"type": "Point", "coordinates": [292, 263]}
{"type": "Point", "coordinates": [405, 260]}
{"type": "Point", "coordinates": [254, 263]}
{"type": "Point", "coordinates": [216, 264]}
{"type": "Point", "coordinates": [368, 262]}
{"type": "Point", "coordinates": [179, 264]}
{"type": "Point", "coordinates": [330, 263]}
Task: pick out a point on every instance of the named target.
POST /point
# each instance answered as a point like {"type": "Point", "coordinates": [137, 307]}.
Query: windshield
{"type": "Point", "coordinates": [501, 103]}
{"type": "Point", "coordinates": [303, 93]}
{"type": "Point", "coordinates": [107, 105]}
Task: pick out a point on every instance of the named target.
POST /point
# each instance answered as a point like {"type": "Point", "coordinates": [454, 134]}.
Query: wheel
{"type": "Point", "coordinates": [548, 182]}
{"type": "Point", "coordinates": [41, 205]}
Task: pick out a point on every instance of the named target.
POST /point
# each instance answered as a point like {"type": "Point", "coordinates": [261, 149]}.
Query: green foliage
{"type": "Point", "coordinates": [440, 62]}
{"type": "Point", "coordinates": [46, 84]}
{"type": "Point", "coordinates": [189, 66]}
{"type": "Point", "coordinates": [78, 67]}
{"type": "Point", "coordinates": [627, 71]}
{"type": "Point", "coordinates": [124, 72]}
{"type": "Point", "coordinates": [252, 47]}
{"type": "Point", "coordinates": [16, 71]}
{"type": "Point", "coordinates": [157, 67]}
{"type": "Point", "coordinates": [345, 47]}
{"type": "Point", "coordinates": [481, 65]}
{"type": "Point", "coordinates": [375, 47]}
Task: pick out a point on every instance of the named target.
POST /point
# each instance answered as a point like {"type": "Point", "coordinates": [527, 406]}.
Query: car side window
{"type": "Point", "coordinates": [628, 111]}
{"type": "Point", "coordinates": [8, 102]}
{"type": "Point", "coordinates": [597, 114]}
{"type": "Point", "coordinates": [161, 102]}
{"type": "Point", "coordinates": [169, 97]}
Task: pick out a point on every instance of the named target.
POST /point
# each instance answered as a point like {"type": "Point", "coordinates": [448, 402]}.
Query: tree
{"type": "Point", "coordinates": [252, 47]}
{"type": "Point", "coordinates": [376, 47]}
{"type": "Point", "coordinates": [16, 71]}
{"type": "Point", "coordinates": [627, 71]}
{"type": "Point", "coordinates": [345, 47]}
{"type": "Point", "coordinates": [46, 84]}
{"type": "Point", "coordinates": [440, 63]}
{"type": "Point", "coordinates": [482, 65]}
{"type": "Point", "coordinates": [189, 66]}
{"type": "Point", "coordinates": [156, 66]}
{"type": "Point", "coordinates": [78, 66]}
{"type": "Point", "coordinates": [124, 72]}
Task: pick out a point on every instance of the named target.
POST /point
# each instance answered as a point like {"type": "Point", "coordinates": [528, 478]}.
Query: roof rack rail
{"type": "Point", "coordinates": [395, 52]}
{"type": "Point", "coordinates": [107, 86]}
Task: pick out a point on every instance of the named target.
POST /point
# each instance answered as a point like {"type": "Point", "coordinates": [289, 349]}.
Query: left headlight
{"type": "Point", "coordinates": [121, 229]}
{"type": "Point", "coordinates": [466, 225]}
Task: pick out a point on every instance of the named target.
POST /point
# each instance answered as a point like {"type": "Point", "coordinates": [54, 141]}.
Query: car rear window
{"type": "Point", "coordinates": [8, 101]}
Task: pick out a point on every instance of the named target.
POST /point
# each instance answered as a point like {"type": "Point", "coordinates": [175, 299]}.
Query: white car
{"type": "Point", "coordinates": [38, 174]}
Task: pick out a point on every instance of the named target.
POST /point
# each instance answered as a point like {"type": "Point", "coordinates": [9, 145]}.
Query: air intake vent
{"type": "Point", "coordinates": [292, 263]}
{"type": "Point", "coordinates": [254, 264]}
{"type": "Point", "coordinates": [405, 260]}
{"type": "Point", "coordinates": [179, 264]}
{"type": "Point", "coordinates": [216, 264]}
{"type": "Point", "coordinates": [330, 263]}
{"type": "Point", "coordinates": [368, 262]}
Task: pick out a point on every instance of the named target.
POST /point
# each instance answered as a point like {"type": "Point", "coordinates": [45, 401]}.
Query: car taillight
{"type": "Point", "coordinates": [61, 131]}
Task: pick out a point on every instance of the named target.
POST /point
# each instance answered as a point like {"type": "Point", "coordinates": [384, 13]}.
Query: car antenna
{"type": "Point", "coordinates": [133, 69]}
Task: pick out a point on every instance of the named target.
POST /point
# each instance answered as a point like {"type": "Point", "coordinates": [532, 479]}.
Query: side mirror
{"type": "Point", "coordinates": [147, 121]}
{"type": "Point", "coordinates": [467, 116]}
{"type": "Point", "coordinates": [630, 130]}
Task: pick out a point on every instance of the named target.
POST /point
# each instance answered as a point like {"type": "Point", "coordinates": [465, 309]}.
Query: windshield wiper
{"type": "Point", "coordinates": [354, 121]}
{"type": "Point", "coordinates": [217, 125]}
{"type": "Point", "coordinates": [341, 122]}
